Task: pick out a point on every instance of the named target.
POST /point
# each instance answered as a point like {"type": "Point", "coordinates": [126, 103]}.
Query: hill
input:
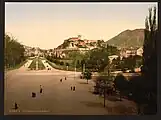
{"type": "Point", "coordinates": [128, 38]}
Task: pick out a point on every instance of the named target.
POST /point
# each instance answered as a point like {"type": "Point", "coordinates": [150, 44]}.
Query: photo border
{"type": "Point", "coordinates": [2, 28]}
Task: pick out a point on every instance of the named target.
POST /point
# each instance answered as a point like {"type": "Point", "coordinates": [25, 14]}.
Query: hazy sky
{"type": "Point", "coordinates": [46, 25]}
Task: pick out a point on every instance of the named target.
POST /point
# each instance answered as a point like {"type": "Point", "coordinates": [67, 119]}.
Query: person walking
{"type": "Point", "coordinates": [65, 78]}
{"type": "Point", "coordinates": [71, 88]}
{"type": "Point", "coordinates": [40, 89]}
{"type": "Point", "coordinates": [33, 94]}
{"type": "Point", "coordinates": [16, 106]}
{"type": "Point", "coordinates": [60, 80]}
{"type": "Point", "coordinates": [74, 88]}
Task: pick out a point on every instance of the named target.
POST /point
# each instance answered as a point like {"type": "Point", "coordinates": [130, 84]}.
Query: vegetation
{"type": "Point", "coordinates": [62, 67]}
{"type": "Point", "coordinates": [33, 64]}
{"type": "Point", "coordinates": [143, 89]}
{"type": "Point", "coordinates": [149, 70]}
{"type": "Point", "coordinates": [87, 75]}
{"type": "Point", "coordinates": [127, 63]}
{"type": "Point", "coordinates": [14, 52]}
{"type": "Point", "coordinates": [98, 58]}
{"type": "Point", "coordinates": [17, 66]}
{"type": "Point", "coordinates": [121, 84]}
{"type": "Point", "coordinates": [40, 64]}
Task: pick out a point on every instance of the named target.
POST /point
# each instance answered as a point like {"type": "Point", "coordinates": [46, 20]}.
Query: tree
{"type": "Point", "coordinates": [149, 69]}
{"type": "Point", "coordinates": [121, 83]}
{"type": "Point", "coordinates": [14, 52]}
{"type": "Point", "coordinates": [67, 64]}
{"type": "Point", "coordinates": [87, 75]}
{"type": "Point", "coordinates": [136, 91]}
{"type": "Point", "coordinates": [144, 88]}
{"type": "Point", "coordinates": [98, 58]}
{"type": "Point", "coordinates": [62, 63]}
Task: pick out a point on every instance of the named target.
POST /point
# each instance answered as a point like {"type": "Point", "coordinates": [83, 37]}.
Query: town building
{"type": "Point", "coordinates": [139, 51]}
{"type": "Point", "coordinates": [112, 57]}
{"type": "Point", "coordinates": [127, 52]}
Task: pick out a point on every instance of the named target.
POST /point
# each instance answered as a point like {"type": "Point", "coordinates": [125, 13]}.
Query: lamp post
{"type": "Point", "coordinates": [75, 70]}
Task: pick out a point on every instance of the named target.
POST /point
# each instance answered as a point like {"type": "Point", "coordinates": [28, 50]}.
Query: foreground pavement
{"type": "Point", "coordinates": [57, 97]}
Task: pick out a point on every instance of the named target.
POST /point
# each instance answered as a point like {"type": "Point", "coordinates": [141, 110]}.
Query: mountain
{"type": "Point", "coordinates": [128, 38]}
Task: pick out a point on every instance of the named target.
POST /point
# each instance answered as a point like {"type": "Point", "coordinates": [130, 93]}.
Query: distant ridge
{"type": "Point", "coordinates": [128, 38]}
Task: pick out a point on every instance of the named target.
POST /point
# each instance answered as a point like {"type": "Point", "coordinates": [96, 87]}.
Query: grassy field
{"type": "Point", "coordinates": [40, 65]}
{"type": "Point", "coordinates": [17, 66]}
{"type": "Point", "coordinates": [62, 67]}
{"type": "Point", "coordinates": [33, 64]}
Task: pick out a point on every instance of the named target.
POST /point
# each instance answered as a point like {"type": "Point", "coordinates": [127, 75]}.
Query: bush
{"type": "Point", "coordinates": [67, 64]}
{"type": "Point", "coordinates": [61, 63]}
{"type": "Point", "coordinates": [87, 75]}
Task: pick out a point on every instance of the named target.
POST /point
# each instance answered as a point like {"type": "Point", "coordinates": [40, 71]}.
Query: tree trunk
{"type": "Point", "coordinates": [120, 96]}
{"type": "Point", "coordinates": [138, 109]}
{"type": "Point", "coordinates": [104, 97]}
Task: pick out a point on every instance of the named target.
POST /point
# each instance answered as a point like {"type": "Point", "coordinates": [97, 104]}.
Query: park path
{"type": "Point", "coordinates": [46, 65]}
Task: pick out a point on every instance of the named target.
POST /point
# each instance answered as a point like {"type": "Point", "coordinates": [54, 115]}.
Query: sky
{"type": "Point", "coordinates": [47, 25]}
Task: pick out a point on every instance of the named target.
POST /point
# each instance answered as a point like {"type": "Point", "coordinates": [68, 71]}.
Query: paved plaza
{"type": "Point", "coordinates": [57, 97]}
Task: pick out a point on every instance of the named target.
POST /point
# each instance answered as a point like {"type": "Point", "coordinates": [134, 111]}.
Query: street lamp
{"type": "Point", "coordinates": [105, 85]}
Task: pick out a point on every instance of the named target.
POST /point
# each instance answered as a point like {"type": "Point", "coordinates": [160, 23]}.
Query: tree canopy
{"type": "Point", "coordinates": [14, 52]}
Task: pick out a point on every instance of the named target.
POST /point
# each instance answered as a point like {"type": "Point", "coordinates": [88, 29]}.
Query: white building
{"type": "Point", "coordinates": [112, 57]}
{"type": "Point", "coordinates": [139, 51]}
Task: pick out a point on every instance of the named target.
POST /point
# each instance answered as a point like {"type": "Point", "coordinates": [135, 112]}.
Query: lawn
{"type": "Point", "coordinates": [33, 64]}
{"type": "Point", "coordinates": [40, 65]}
{"type": "Point", "coordinates": [63, 67]}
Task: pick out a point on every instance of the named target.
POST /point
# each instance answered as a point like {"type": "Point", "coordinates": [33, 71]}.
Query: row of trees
{"type": "Point", "coordinates": [14, 52]}
{"type": "Point", "coordinates": [56, 61]}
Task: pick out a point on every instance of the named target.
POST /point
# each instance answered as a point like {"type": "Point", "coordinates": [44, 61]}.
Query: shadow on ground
{"type": "Point", "coordinates": [91, 104]}
{"type": "Point", "coordinates": [121, 110]}
{"type": "Point", "coordinates": [83, 82]}
{"type": "Point", "coordinates": [113, 98]}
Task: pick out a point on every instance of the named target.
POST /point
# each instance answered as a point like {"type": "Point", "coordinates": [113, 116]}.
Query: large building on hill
{"type": "Point", "coordinates": [78, 42]}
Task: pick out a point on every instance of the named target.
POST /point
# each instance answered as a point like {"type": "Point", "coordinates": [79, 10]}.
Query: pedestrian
{"type": "Point", "coordinates": [71, 88]}
{"type": "Point", "coordinates": [33, 94]}
{"type": "Point", "coordinates": [60, 80]}
{"type": "Point", "coordinates": [65, 78]}
{"type": "Point", "coordinates": [40, 89]}
{"type": "Point", "coordinates": [74, 88]}
{"type": "Point", "coordinates": [16, 106]}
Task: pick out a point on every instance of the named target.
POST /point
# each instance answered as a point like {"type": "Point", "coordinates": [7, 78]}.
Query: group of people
{"type": "Point", "coordinates": [73, 88]}
{"type": "Point", "coordinates": [61, 80]}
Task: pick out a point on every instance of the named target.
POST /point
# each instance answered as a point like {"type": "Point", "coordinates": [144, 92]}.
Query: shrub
{"type": "Point", "coordinates": [61, 63]}
{"type": "Point", "coordinates": [67, 64]}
